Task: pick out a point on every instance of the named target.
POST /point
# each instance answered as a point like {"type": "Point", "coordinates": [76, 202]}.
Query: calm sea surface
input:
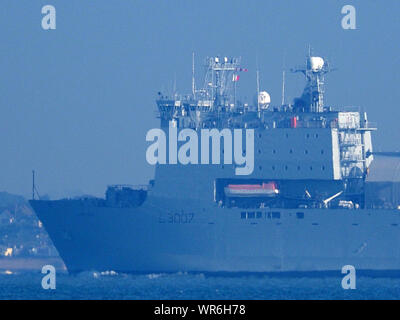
{"type": "Point", "coordinates": [94, 285]}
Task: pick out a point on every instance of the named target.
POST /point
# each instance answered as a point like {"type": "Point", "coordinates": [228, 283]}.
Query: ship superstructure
{"type": "Point", "coordinates": [313, 151]}
{"type": "Point", "coordinates": [308, 204]}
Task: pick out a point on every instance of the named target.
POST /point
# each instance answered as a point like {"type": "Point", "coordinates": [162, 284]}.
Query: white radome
{"type": "Point", "coordinates": [264, 99]}
{"type": "Point", "coordinates": [316, 63]}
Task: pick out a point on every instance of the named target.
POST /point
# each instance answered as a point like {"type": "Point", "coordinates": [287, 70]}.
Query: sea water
{"type": "Point", "coordinates": [111, 285]}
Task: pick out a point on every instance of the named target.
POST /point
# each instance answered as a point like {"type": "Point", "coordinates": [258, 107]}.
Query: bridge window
{"type": "Point", "coordinates": [276, 215]}
{"type": "Point", "coordinates": [251, 215]}
{"type": "Point", "coordinates": [259, 215]}
{"type": "Point", "coordinates": [243, 215]}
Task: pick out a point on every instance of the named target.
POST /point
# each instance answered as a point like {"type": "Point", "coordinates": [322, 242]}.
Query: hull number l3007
{"type": "Point", "coordinates": [176, 218]}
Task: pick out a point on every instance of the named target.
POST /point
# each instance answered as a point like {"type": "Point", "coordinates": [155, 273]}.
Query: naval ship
{"type": "Point", "coordinates": [317, 197]}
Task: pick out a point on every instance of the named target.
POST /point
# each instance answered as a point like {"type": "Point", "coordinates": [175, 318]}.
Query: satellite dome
{"type": "Point", "coordinates": [316, 63]}
{"type": "Point", "coordinates": [264, 99]}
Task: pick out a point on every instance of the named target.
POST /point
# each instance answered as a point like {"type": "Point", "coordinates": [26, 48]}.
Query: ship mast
{"type": "Point", "coordinates": [258, 93]}
{"type": "Point", "coordinates": [314, 72]}
{"type": "Point", "coordinates": [220, 79]}
{"type": "Point", "coordinates": [193, 81]}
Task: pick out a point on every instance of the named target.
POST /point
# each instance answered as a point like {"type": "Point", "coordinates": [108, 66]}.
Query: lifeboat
{"type": "Point", "coordinates": [251, 190]}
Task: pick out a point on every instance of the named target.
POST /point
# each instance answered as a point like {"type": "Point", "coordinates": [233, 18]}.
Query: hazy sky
{"type": "Point", "coordinates": [76, 102]}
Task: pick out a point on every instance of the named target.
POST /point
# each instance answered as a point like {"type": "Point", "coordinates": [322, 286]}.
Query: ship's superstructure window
{"type": "Point", "coordinates": [276, 215]}
{"type": "Point", "coordinates": [306, 151]}
{"type": "Point", "coordinates": [243, 215]}
{"type": "Point", "coordinates": [251, 215]}
{"type": "Point", "coordinates": [259, 215]}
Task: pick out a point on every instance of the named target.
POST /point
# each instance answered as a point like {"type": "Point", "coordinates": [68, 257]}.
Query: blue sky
{"type": "Point", "coordinates": [76, 102]}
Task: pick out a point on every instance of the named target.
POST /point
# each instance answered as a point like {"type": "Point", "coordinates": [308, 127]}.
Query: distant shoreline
{"type": "Point", "coordinates": [30, 263]}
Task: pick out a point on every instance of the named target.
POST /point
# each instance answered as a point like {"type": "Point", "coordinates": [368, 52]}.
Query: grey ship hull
{"type": "Point", "coordinates": [190, 237]}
